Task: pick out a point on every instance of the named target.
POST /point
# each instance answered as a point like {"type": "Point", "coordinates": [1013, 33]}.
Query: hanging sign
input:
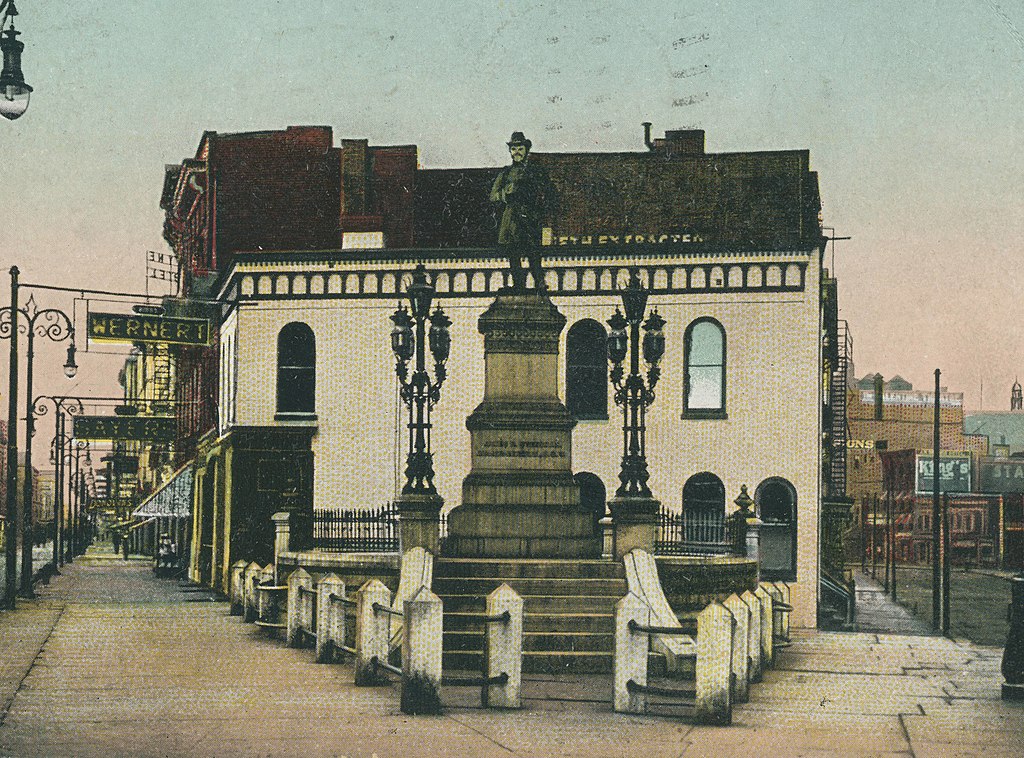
{"type": "Point", "coordinates": [168, 330]}
{"type": "Point", "coordinates": [140, 428]}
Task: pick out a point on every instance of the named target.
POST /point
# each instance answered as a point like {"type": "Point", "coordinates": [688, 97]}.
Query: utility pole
{"type": "Point", "coordinates": [936, 517]}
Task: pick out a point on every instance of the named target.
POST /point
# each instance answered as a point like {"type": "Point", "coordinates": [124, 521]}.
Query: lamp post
{"type": "Point", "coordinates": [419, 504]}
{"type": "Point", "coordinates": [634, 510]}
{"type": "Point", "coordinates": [14, 91]}
{"type": "Point", "coordinates": [62, 405]}
{"type": "Point", "coordinates": [55, 325]}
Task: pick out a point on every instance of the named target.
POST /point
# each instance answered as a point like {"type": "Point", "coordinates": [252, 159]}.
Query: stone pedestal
{"type": "Point", "coordinates": [635, 521]}
{"type": "Point", "coordinates": [418, 521]}
{"type": "Point", "coordinates": [520, 500]}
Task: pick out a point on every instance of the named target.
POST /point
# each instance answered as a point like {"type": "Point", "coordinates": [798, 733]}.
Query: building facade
{"type": "Point", "coordinates": [730, 247]}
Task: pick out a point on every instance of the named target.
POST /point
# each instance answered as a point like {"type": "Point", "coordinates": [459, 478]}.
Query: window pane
{"type": "Point", "coordinates": [705, 345]}
{"type": "Point", "coordinates": [296, 390]}
{"type": "Point", "coordinates": [705, 387]}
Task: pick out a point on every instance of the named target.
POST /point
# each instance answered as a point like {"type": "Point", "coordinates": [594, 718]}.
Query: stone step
{"type": "Point", "coordinates": [537, 603]}
{"type": "Point", "coordinates": [538, 622]}
{"type": "Point", "coordinates": [552, 663]}
{"type": "Point", "coordinates": [550, 642]}
{"type": "Point", "coordinates": [527, 586]}
{"type": "Point", "coordinates": [525, 567]}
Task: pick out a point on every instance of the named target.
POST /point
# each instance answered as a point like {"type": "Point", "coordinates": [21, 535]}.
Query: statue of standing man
{"type": "Point", "coordinates": [527, 195]}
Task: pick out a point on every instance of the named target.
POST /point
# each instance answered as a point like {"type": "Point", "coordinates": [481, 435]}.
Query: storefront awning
{"type": "Point", "coordinates": [172, 500]}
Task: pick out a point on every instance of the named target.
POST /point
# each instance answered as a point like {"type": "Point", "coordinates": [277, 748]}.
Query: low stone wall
{"type": "Point", "coordinates": [692, 582]}
{"type": "Point", "coordinates": [355, 569]}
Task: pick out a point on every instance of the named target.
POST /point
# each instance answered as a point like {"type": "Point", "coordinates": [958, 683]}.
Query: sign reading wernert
{"type": "Point", "coordinates": [140, 428]}
{"type": "Point", "coordinates": [122, 327]}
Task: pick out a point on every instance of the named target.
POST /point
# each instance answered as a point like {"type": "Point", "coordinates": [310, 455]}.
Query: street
{"type": "Point", "coordinates": [110, 660]}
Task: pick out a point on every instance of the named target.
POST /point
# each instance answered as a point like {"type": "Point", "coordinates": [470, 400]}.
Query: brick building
{"type": "Point", "coordinates": [730, 245]}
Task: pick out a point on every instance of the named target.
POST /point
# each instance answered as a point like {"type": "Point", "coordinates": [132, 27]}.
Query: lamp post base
{"type": "Point", "coordinates": [635, 523]}
{"type": "Point", "coordinates": [418, 515]}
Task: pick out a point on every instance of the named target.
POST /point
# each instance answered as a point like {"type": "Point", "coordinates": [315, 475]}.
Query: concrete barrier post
{"type": "Point", "coordinates": [282, 537]}
{"type": "Point", "coordinates": [249, 582]}
{"type": "Point", "coordinates": [300, 607]}
{"type": "Point", "coordinates": [714, 665]}
{"type": "Point", "coordinates": [630, 661]}
{"type": "Point", "coordinates": [330, 618]}
{"type": "Point", "coordinates": [503, 649]}
{"type": "Point", "coordinates": [266, 604]}
{"type": "Point", "coordinates": [740, 644]}
{"type": "Point", "coordinates": [767, 626]}
{"type": "Point", "coordinates": [372, 631]}
{"type": "Point", "coordinates": [237, 588]}
{"type": "Point", "coordinates": [756, 666]}
{"type": "Point", "coordinates": [421, 654]}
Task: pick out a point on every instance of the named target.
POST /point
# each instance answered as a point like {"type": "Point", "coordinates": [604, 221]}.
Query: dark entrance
{"type": "Point", "coordinates": [776, 507]}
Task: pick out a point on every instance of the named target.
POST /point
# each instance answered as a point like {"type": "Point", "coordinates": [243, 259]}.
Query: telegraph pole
{"type": "Point", "coordinates": [936, 517]}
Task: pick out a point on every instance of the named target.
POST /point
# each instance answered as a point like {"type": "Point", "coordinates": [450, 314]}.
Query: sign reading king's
{"type": "Point", "coordinates": [122, 327]}
{"type": "Point", "coordinates": [140, 428]}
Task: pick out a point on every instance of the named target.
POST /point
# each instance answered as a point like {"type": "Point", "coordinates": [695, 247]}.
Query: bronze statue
{"type": "Point", "coordinates": [526, 192]}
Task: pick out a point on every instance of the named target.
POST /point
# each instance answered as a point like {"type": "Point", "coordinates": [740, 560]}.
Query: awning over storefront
{"type": "Point", "coordinates": [172, 500]}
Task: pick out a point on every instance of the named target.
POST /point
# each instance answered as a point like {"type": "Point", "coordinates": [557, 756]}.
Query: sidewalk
{"type": "Point", "coordinates": [113, 661]}
{"type": "Point", "coordinates": [877, 612]}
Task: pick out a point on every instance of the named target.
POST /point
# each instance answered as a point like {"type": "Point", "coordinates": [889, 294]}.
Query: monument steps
{"type": "Point", "coordinates": [569, 605]}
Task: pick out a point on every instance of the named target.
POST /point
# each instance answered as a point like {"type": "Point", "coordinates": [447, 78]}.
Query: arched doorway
{"type": "Point", "coordinates": [704, 509]}
{"type": "Point", "coordinates": [776, 507]}
{"type": "Point", "coordinates": [592, 497]}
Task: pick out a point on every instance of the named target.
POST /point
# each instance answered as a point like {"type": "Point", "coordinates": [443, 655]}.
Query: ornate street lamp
{"type": "Point", "coordinates": [419, 503]}
{"type": "Point", "coordinates": [55, 325]}
{"type": "Point", "coordinates": [63, 406]}
{"type": "Point", "coordinates": [634, 510]}
{"type": "Point", "coordinates": [14, 91]}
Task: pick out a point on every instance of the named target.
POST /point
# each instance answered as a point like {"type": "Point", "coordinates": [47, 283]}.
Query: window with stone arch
{"type": "Point", "coordinates": [704, 494]}
{"type": "Point", "coordinates": [776, 507]}
{"type": "Point", "coordinates": [586, 370]}
{"type": "Point", "coordinates": [296, 370]}
{"type": "Point", "coordinates": [704, 369]}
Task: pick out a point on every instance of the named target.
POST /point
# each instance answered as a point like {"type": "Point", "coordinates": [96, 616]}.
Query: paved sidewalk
{"type": "Point", "coordinates": [878, 612]}
{"type": "Point", "coordinates": [111, 661]}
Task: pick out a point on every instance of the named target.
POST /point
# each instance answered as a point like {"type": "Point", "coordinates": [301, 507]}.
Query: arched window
{"type": "Point", "coordinates": [592, 496]}
{"type": "Point", "coordinates": [586, 370]}
{"type": "Point", "coordinates": [776, 507]}
{"type": "Point", "coordinates": [704, 372]}
{"type": "Point", "coordinates": [296, 370]}
{"type": "Point", "coordinates": [704, 493]}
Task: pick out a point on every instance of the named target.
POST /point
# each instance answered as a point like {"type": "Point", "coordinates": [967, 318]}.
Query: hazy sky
{"type": "Point", "coordinates": [912, 113]}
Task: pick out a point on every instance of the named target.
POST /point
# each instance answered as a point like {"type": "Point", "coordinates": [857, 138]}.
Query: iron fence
{"type": "Point", "coordinates": [362, 530]}
{"type": "Point", "coordinates": [695, 533]}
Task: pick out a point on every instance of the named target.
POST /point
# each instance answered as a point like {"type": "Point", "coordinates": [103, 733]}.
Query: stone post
{"type": "Point", "coordinates": [282, 537]}
{"type": "Point", "coordinates": [767, 626]}
{"type": "Point", "coordinates": [330, 618]}
{"type": "Point", "coordinates": [783, 590]}
{"type": "Point", "coordinates": [630, 661]}
{"type": "Point", "coordinates": [237, 587]}
{"type": "Point", "coordinates": [635, 521]}
{"type": "Point", "coordinates": [372, 631]}
{"type": "Point", "coordinates": [503, 649]}
{"type": "Point", "coordinates": [421, 654]}
{"type": "Point", "coordinates": [419, 521]}
{"type": "Point", "coordinates": [249, 580]}
{"type": "Point", "coordinates": [266, 606]}
{"type": "Point", "coordinates": [714, 665]}
{"type": "Point", "coordinates": [740, 644]}
{"type": "Point", "coordinates": [300, 607]}
{"type": "Point", "coordinates": [754, 638]}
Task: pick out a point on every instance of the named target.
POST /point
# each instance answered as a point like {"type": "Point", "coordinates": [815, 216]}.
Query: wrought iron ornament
{"type": "Point", "coordinates": [420, 392]}
{"type": "Point", "coordinates": [633, 392]}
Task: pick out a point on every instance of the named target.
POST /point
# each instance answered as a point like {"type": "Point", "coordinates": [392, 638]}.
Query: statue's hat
{"type": "Point", "coordinates": [518, 138]}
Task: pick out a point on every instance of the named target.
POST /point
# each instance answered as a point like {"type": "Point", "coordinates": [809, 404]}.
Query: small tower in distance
{"type": "Point", "coordinates": [1016, 397]}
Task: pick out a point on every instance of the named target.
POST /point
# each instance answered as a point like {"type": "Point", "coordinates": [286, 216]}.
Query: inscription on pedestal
{"type": "Point", "coordinates": [507, 451]}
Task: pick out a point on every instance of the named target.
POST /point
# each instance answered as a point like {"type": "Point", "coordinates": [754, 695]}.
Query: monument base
{"type": "Point", "coordinates": [521, 531]}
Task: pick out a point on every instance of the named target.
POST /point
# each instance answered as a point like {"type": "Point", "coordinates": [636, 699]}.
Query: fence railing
{"type": "Point", "coordinates": [693, 533]}
{"type": "Point", "coordinates": [363, 530]}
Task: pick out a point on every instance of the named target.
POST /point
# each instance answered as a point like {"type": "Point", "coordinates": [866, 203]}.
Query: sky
{"type": "Point", "coordinates": [912, 113]}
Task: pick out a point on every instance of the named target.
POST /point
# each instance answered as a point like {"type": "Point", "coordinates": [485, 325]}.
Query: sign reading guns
{"type": "Point", "coordinates": [141, 428]}
{"type": "Point", "coordinates": [120, 327]}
